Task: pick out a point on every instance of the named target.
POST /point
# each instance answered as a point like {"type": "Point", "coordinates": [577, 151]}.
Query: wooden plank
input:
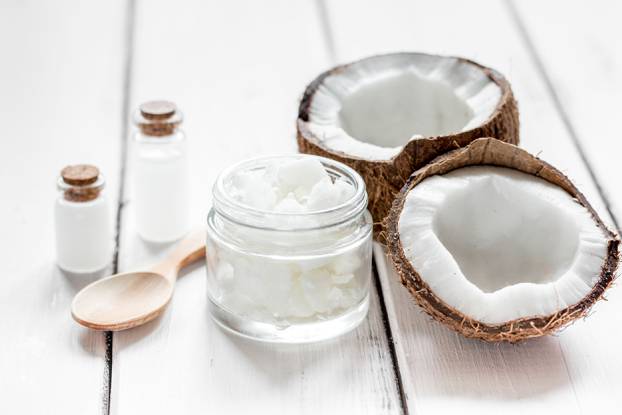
{"type": "Point", "coordinates": [442, 372]}
{"type": "Point", "coordinates": [237, 70]}
{"type": "Point", "coordinates": [582, 63]}
{"type": "Point", "coordinates": [61, 84]}
{"type": "Point", "coordinates": [573, 42]}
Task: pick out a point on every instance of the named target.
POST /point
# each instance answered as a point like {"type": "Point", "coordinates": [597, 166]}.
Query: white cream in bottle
{"type": "Point", "coordinates": [84, 239]}
{"type": "Point", "coordinates": [289, 249]}
{"type": "Point", "coordinates": [160, 173]}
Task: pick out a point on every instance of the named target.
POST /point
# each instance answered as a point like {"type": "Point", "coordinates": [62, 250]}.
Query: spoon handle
{"type": "Point", "coordinates": [187, 251]}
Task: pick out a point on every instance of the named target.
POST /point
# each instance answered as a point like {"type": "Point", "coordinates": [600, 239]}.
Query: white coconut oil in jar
{"type": "Point", "coordinates": [289, 249]}
{"type": "Point", "coordinates": [161, 196]}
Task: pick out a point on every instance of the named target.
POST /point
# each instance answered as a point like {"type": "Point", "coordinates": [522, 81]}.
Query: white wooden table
{"type": "Point", "coordinates": [70, 72]}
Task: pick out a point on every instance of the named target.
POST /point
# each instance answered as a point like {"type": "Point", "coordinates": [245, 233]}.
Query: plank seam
{"type": "Point", "coordinates": [327, 32]}
{"type": "Point", "coordinates": [124, 135]}
{"type": "Point", "coordinates": [329, 41]}
{"type": "Point", "coordinates": [107, 373]}
{"type": "Point", "coordinates": [389, 335]}
{"type": "Point", "coordinates": [533, 53]}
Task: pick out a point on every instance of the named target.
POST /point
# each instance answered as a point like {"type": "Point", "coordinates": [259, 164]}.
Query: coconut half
{"type": "Point", "coordinates": [388, 115]}
{"type": "Point", "coordinates": [499, 245]}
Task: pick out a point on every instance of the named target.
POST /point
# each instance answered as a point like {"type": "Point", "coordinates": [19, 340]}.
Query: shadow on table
{"type": "Point", "coordinates": [504, 371]}
{"type": "Point", "coordinates": [146, 331]}
{"type": "Point", "coordinates": [442, 362]}
{"type": "Point", "coordinates": [59, 294]}
{"type": "Point", "coordinates": [141, 333]}
{"type": "Point", "coordinates": [77, 281]}
{"type": "Point", "coordinates": [282, 363]}
{"type": "Point", "coordinates": [445, 365]}
{"type": "Point", "coordinates": [437, 362]}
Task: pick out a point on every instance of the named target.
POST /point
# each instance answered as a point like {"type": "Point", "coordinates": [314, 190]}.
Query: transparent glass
{"type": "Point", "coordinates": [286, 277]}
{"type": "Point", "coordinates": [161, 194]}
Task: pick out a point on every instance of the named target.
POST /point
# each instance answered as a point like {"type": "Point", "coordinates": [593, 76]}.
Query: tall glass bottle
{"type": "Point", "coordinates": [160, 173]}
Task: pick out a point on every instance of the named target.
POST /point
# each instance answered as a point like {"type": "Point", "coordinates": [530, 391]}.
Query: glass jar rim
{"type": "Point", "coordinates": [240, 213]}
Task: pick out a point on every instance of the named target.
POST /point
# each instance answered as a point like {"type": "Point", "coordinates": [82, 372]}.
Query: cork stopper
{"type": "Point", "coordinates": [80, 174]}
{"type": "Point", "coordinates": [157, 118]}
{"type": "Point", "coordinates": [80, 182]}
{"type": "Point", "coordinates": [157, 110]}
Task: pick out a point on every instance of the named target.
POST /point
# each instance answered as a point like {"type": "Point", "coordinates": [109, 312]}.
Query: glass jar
{"type": "Point", "coordinates": [289, 277]}
{"type": "Point", "coordinates": [161, 196]}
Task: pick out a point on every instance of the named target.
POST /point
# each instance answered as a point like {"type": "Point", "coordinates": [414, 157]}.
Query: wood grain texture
{"type": "Point", "coordinates": [441, 371]}
{"type": "Point", "coordinates": [60, 95]}
{"type": "Point", "coordinates": [236, 70]}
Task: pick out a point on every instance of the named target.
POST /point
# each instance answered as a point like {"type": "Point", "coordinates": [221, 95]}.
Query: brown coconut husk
{"type": "Point", "coordinates": [385, 178]}
{"type": "Point", "coordinates": [488, 151]}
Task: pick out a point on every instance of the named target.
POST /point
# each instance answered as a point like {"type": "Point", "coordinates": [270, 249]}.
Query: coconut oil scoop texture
{"type": "Point", "coordinates": [289, 249]}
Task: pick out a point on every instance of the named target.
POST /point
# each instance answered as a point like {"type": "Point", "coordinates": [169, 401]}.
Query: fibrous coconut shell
{"type": "Point", "coordinates": [489, 151]}
{"type": "Point", "coordinates": [385, 178]}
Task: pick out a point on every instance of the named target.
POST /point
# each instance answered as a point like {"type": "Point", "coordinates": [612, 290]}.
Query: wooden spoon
{"type": "Point", "coordinates": [127, 300]}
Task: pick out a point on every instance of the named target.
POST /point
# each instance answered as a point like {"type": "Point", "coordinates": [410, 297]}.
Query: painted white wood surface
{"type": "Point", "coordinates": [589, 88]}
{"type": "Point", "coordinates": [442, 372]}
{"type": "Point", "coordinates": [237, 70]}
{"type": "Point", "coordinates": [61, 67]}
{"type": "Point", "coordinates": [578, 45]}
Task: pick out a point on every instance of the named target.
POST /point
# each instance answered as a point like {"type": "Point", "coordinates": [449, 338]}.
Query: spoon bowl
{"type": "Point", "coordinates": [122, 301]}
{"type": "Point", "coordinates": [130, 299]}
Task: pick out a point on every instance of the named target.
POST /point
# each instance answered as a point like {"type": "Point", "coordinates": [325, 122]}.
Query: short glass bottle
{"type": "Point", "coordinates": [289, 277]}
{"type": "Point", "coordinates": [160, 173]}
{"type": "Point", "coordinates": [82, 217]}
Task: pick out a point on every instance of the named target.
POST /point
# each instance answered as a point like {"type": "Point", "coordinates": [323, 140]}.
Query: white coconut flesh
{"type": "Point", "coordinates": [497, 244]}
{"type": "Point", "coordinates": [374, 107]}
